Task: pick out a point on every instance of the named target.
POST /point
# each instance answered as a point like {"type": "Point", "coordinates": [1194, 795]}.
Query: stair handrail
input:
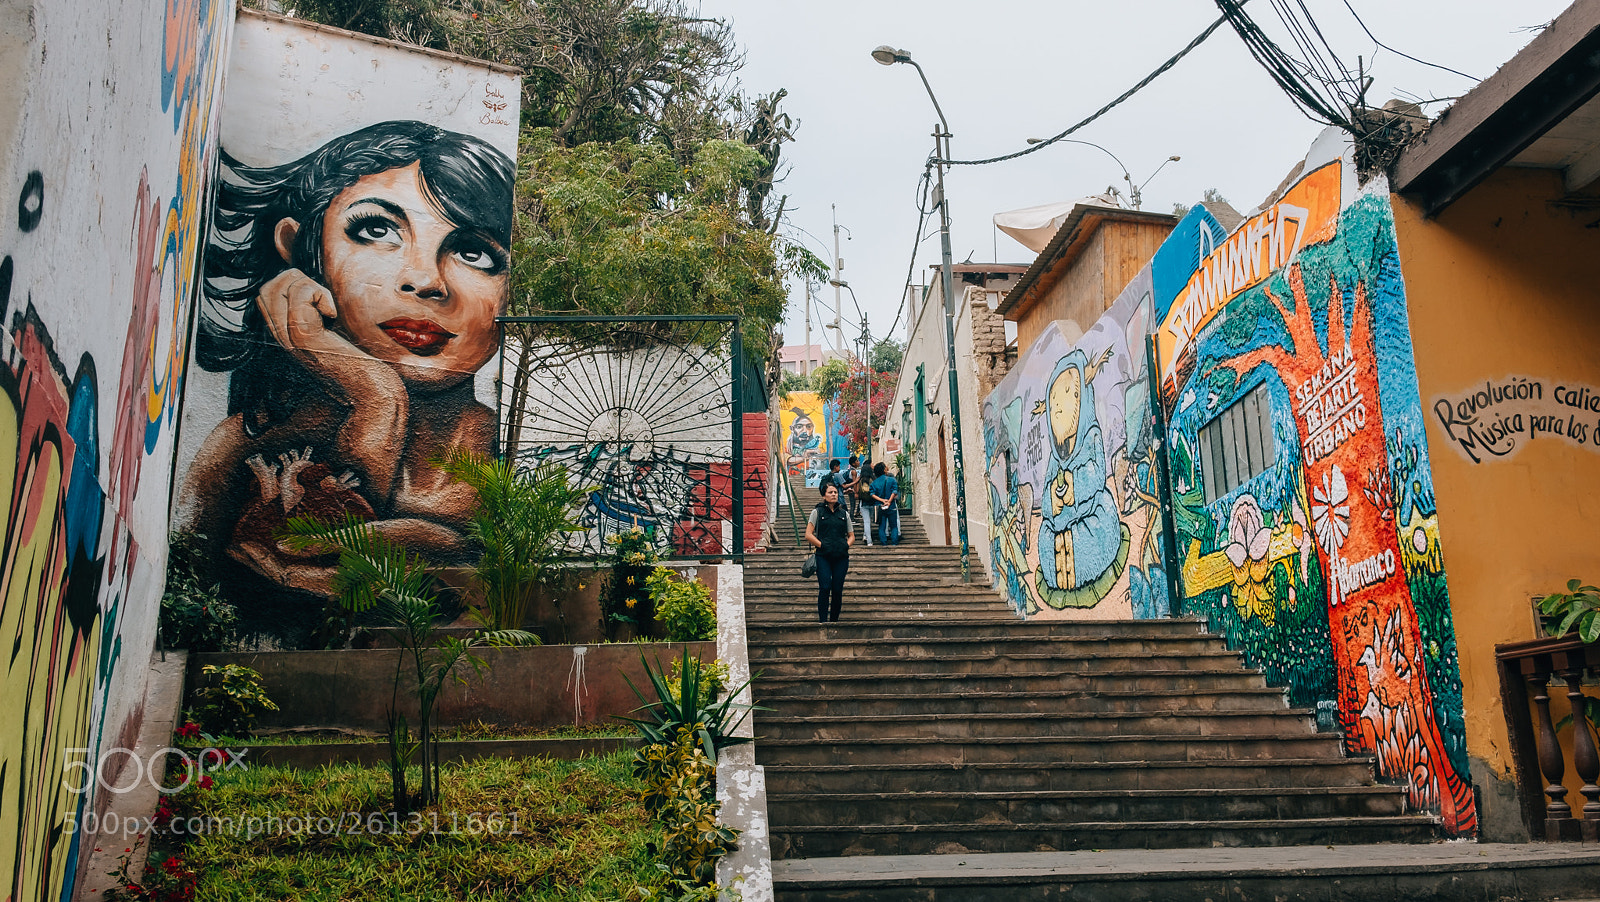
{"type": "Point", "coordinates": [787, 489]}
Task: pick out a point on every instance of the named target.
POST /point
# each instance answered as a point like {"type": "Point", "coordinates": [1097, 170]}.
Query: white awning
{"type": "Point", "coordinates": [1033, 227]}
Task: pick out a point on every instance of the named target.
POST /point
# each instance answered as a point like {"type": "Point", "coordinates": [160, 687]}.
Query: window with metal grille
{"type": "Point", "coordinates": [1238, 444]}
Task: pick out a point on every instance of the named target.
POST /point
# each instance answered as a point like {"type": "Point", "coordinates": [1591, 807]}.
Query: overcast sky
{"type": "Point", "coordinates": [1008, 70]}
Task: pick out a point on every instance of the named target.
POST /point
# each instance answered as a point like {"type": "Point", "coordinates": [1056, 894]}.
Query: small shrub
{"type": "Point", "coordinates": [683, 606]}
{"type": "Point", "coordinates": [680, 789]}
{"type": "Point", "coordinates": [625, 600]}
{"type": "Point", "coordinates": [229, 705]}
{"type": "Point", "coordinates": [163, 881]}
{"type": "Point", "coordinates": [194, 614]}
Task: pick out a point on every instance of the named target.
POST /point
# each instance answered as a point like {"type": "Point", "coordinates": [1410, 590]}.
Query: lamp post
{"type": "Point", "coordinates": [888, 56]}
{"type": "Point", "coordinates": [1135, 190]}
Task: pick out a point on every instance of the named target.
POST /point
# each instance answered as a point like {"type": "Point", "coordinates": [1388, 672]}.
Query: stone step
{"type": "Point", "coordinates": [1074, 724]}
{"type": "Point", "coordinates": [951, 597]}
{"type": "Point", "coordinates": [1380, 872]}
{"type": "Point", "coordinates": [856, 581]}
{"type": "Point", "coordinates": [880, 553]}
{"type": "Point", "coordinates": [1080, 806]}
{"type": "Point", "coordinates": [910, 629]}
{"type": "Point", "coordinates": [1016, 663]}
{"type": "Point", "coordinates": [923, 839]}
{"type": "Point", "coordinates": [1049, 750]}
{"type": "Point", "coordinates": [976, 702]}
{"type": "Point", "coordinates": [944, 685]}
{"type": "Point", "coordinates": [1064, 647]}
{"type": "Point", "coordinates": [1022, 776]}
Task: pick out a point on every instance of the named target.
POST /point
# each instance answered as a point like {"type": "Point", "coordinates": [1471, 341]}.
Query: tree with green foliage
{"type": "Point", "coordinates": [625, 229]}
{"type": "Point", "coordinates": [826, 380]}
{"type": "Point", "coordinates": [885, 357]}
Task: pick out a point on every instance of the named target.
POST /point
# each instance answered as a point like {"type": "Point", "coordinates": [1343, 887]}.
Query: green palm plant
{"type": "Point", "coordinates": [379, 578]}
{"type": "Point", "coordinates": [521, 523]}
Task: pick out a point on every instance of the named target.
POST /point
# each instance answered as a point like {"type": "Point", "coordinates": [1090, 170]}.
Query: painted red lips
{"type": "Point", "coordinates": [419, 336]}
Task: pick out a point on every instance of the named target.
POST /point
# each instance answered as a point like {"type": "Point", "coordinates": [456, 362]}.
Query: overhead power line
{"type": "Point", "coordinates": [1401, 52]}
{"type": "Point", "coordinates": [1199, 39]}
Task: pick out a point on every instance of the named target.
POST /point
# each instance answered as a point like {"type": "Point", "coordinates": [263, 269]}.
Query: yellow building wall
{"type": "Point", "coordinates": [1506, 282]}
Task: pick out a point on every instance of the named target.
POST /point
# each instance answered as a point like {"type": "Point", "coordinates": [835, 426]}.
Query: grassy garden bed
{"type": "Point", "coordinates": [509, 829]}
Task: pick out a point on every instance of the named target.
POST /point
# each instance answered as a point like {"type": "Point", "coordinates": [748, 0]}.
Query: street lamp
{"type": "Point", "coordinates": [1135, 191]}
{"type": "Point", "coordinates": [888, 56]}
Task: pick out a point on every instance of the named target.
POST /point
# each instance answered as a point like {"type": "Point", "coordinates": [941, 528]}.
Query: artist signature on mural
{"type": "Point", "coordinates": [1493, 421]}
{"type": "Point", "coordinates": [494, 103]}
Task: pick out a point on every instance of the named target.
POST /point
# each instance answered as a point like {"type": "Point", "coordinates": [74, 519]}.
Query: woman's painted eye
{"type": "Point", "coordinates": [476, 258]}
{"type": "Point", "coordinates": [478, 253]}
{"type": "Point", "coordinates": [373, 230]}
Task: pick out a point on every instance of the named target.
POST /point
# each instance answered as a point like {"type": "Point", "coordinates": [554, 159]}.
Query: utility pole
{"type": "Point", "coordinates": [838, 271]}
{"type": "Point", "coordinates": [941, 149]}
{"type": "Point", "coordinates": [888, 56]}
{"type": "Point", "coordinates": [805, 362]}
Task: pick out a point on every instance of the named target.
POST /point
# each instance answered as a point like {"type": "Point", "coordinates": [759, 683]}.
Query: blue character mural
{"type": "Point", "coordinates": [1082, 546]}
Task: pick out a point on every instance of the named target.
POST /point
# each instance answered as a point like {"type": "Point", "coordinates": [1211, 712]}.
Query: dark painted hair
{"type": "Point", "coordinates": [467, 179]}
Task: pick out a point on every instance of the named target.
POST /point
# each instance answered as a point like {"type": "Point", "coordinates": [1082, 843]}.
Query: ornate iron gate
{"type": "Point", "coordinates": [642, 411]}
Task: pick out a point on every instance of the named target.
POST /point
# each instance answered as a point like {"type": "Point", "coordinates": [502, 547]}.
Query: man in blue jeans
{"type": "Point", "coordinates": [886, 493]}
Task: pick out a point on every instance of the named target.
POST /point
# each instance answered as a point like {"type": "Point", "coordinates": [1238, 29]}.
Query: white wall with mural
{"type": "Point", "coordinates": [357, 256]}
{"type": "Point", "coordinates": [107, 143]}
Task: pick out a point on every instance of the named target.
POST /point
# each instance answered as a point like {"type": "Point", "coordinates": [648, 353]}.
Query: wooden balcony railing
{"type": "Point", "coordinates": [1536, 749]}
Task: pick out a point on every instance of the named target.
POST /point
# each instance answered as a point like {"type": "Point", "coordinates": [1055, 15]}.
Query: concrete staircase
{"type": "Point", "coordinates": [931, 720]}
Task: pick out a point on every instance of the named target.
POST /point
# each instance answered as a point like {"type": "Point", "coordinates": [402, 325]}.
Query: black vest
{"type": "Point", "coordinates": [832, 530]}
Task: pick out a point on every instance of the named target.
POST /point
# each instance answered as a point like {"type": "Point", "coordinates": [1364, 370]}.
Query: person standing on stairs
{"type": "Point", "coordinates": [831, 533]}
{"type": "Point", "coordinates": [886, 494]}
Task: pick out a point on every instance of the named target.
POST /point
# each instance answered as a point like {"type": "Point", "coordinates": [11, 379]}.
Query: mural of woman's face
{"type": "Point", "coordinates": [1065, 397]}
{"type": "Point", "coordinates": [411, 287]}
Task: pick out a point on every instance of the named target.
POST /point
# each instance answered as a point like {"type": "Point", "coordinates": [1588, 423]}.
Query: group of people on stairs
{"type": "Point", "coordinates": [830, 530]}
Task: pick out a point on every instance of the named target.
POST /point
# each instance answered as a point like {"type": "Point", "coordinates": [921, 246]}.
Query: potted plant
{"type": "Point", "coordinates": [1575, 610]}
{"type": "Point", "coordinates": [521, 524]}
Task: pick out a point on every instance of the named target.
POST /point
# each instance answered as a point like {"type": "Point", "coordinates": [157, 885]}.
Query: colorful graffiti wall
{"type": "Point", "coordinates": [357, 258]}
{"type": "Point", "coordinates": [1069, 446]}
{"type": "Point", "coordinates": [97, 274]}
{"type": "Point", "coordinates": [1319, 558]}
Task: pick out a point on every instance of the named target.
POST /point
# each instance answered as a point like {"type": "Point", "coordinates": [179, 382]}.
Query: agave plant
{"type": "Point", "coordinates": [690, 705]}
{"type": "Point", "coordinates": [521, 523]}
{"type": "Point", "coordinates": [379, 578]}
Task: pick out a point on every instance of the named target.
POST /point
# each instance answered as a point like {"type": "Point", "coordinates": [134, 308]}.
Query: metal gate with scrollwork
{"type": "Point", "coordinates": [643, 412]}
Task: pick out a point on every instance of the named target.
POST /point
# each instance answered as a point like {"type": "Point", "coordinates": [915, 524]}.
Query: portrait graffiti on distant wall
{"type": "Point", "coordinates": [352, 295]}
{"type": "Point", "coordinates": [1306, 526]}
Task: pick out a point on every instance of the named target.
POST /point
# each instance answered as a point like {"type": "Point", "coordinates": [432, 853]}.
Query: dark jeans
{"type": "Point", "coordinates": [888, 524]}
{"type": "Point", "coordinates": [830, 586]}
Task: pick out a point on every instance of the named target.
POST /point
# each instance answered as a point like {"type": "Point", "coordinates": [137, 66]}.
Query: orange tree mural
{"type": "Point", "coordinates": [1306, 525]}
